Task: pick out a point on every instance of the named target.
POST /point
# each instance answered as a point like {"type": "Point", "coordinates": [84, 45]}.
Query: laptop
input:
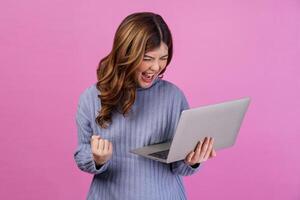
{"type": "Point", "coordinates": [222, 121]}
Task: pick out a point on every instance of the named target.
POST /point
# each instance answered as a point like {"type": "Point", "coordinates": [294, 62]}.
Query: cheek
{"type": "Point", "coordinates": [143, 66]}
{"type": "Point", "coordinates": [165, 62]}
{"type": "Point", "coordinates": [163, 65]}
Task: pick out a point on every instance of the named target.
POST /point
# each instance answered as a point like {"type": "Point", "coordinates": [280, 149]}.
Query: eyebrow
{"type": "Point", "coordinates": [153, 57]}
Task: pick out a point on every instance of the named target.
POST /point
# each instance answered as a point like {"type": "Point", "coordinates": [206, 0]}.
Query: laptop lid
{"type": "Point", "coordinates": [221, 121]}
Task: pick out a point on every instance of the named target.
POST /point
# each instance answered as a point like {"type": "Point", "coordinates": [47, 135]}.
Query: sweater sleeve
{"type": "Point", "coordinates": [83, 155]}
{"type": "Point", "coordinates": [180, 167]}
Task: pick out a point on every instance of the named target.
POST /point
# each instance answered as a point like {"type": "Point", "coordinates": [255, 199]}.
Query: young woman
{"type": "Point", "coordinates": [131, 106]}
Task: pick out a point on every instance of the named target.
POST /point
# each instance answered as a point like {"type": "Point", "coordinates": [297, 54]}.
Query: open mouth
{"type": "Point", "coordinates": [147, 77]}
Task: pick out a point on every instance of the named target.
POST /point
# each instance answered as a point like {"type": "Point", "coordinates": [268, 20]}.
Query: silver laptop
{"type": "Point", "coordinates": [221, 121]}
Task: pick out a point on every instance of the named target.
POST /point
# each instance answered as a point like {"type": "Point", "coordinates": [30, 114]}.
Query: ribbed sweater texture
{"type": "Point", "coordinates": [126, 176]}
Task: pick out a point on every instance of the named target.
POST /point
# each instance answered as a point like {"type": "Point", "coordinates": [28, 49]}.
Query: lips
{"type": "Point", "coordinates": [147, 77]}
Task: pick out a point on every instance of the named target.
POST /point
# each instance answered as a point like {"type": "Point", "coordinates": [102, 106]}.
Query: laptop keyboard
{"type": "Point", "coordinates": [160, 154]}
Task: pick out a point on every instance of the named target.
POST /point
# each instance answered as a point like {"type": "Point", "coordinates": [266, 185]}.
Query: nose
{"type": "Point", "coordinates": [155, 66]}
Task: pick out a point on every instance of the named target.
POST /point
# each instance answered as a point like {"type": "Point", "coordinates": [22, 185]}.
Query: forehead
{"type": "Point", "coordinates": [161, 50]}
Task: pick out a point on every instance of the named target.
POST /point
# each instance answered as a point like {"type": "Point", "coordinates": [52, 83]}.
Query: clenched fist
{"type": "Point", "coordinates": [101, 149]}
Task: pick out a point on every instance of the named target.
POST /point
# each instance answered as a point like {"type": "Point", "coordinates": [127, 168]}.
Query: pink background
{"type": "Point", "coordinates": [222, 50]}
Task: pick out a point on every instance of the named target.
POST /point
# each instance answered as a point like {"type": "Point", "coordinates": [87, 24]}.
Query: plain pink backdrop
{"type": "Point", "coordinates": [222, 50]}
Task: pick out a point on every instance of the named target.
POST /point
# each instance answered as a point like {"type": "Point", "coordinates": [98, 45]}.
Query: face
{"type": "Point", "coordinates": [153, 63]}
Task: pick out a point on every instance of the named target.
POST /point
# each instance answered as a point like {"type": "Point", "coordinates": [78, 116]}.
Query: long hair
{"type": "Point", "coordinates": [137, 34]}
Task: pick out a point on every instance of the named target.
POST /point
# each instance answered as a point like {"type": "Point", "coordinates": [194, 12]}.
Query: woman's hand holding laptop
{"type": "Point", "coordinates": [203, 151]}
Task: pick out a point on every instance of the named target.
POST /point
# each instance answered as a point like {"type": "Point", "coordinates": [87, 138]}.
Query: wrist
{"type": "Point", "coordinates": [98, 166]}
{"type": "Point", "coordinates": [98, 161]}
{"type": "Point", "coordinates": [195, 165]}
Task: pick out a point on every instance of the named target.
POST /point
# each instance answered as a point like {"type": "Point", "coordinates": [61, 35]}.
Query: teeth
{"type": "Point", "coordinates": [148, 75]}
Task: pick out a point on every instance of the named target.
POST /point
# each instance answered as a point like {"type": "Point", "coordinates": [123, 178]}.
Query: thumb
{"type": "Point", "coordinates": [94, 136]}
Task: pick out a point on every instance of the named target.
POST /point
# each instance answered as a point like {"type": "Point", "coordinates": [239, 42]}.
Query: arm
{"type": "Point", "coordinates": [183, 169]}
{"type": "Point", "coordinates": [83, 155]}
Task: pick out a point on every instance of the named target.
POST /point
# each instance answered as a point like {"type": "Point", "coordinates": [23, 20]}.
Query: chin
{"type": "Point", "coordinates": [144, 84]}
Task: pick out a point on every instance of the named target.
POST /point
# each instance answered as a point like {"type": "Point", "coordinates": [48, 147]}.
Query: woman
{"type": "Point", "coordinates": [129, 107]}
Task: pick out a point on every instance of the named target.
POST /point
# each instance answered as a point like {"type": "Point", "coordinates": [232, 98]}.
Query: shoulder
{"type": "Point", "coordinates": [89, 94]}
{"type": "Point", "coordinates": [175, 94]}
{"type": "Point", "coordinates": [171, 88]}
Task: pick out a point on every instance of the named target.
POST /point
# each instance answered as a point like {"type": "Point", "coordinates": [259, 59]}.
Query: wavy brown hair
{"type": "Point", "coordinates": [137, 34]}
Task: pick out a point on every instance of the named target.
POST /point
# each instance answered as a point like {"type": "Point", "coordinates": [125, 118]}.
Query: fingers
{"type": "Point", "coordinates": [110, 148]}
{"type": "Point", "coordinates": [94, 142]}
{"type": "Point", "coordinates": [198, 151]}
{"type": "Point", "coordinates": [189, 156]}
{"type": "Point", "coordinates": [106, 146]}
{"type": "Point", "coordinates": [209, 149]}
{"type": "Point", "coordinates": [213, 153]}
{"type": "Point", "coordinates": [101, 145]}
{"type": "Point", "coordinates": [204, 148]}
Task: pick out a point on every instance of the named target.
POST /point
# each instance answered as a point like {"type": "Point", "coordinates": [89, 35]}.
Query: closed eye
{"type": "Point", "coordinates": [151, 59]}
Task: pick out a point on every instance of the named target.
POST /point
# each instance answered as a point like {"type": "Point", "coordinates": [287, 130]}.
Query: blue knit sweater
{"type": "Point", "coordinates": [154, 116]}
